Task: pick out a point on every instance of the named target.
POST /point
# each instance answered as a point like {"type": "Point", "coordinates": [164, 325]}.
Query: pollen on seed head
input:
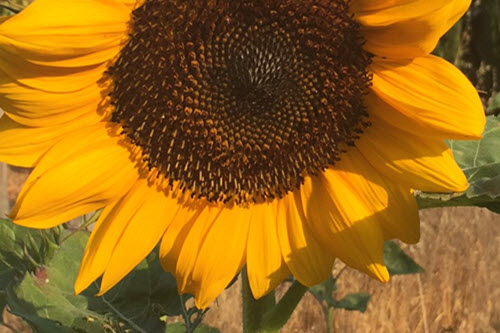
{"type": "Point", "coordinates": [240, 99]}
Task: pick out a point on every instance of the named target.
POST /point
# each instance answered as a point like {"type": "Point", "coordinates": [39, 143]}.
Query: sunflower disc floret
{"type": "Point", "coordinates": [238, 100]}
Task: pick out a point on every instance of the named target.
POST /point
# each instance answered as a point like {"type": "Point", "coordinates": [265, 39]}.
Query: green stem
{"type": "Point", "coordinates": [276, 318]}
{"type": "Point", "coordinates": [84, 224]}
{"type": "Point", "coordinates": [330, 320]}
{"type": "Point", "coordinates": [254, 310]}
{"type": "Point", "coordinates": [185, 315]}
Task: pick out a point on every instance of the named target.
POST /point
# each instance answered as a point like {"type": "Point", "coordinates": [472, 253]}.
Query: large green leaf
{"type": "Point", "coordinates": [47, 301]}
{"type": "Point", "coordinates": [143, 296]}
{"type": "Point", "coordinates": [7, 276]}
{"type": "Point", "coordinates": [22, 250]}
{"type": "Point", "coordinates": [480, 161]}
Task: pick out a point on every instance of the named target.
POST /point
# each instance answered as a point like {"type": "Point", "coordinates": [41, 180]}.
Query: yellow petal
{"type": "Point", "coordinates": [33, 107]}
{"type": "Point", "coordinates": [433, 92]}
{"type": "Point", "coordinates": [175, 235]}
{"type": "Point", "coordinates": [309, 262]}
{"type": "Point", "coordinates": [222, 255]}
{"type": "Point", "coordinates": [49, 79]}
{"type": "Point", "coordinates": [64, 34]}
{"type": "Point", "coordinates": [345, 210]}
{"type": "Point", "coordinates": [23, 146]}
{"type": "Point", "coordinates": [381, 111]}
{"type": "Point", "coordinates": [191, 248]}
{"type": "Point", "coordinates": [152, 212]}
{"type": "Point", "coordinates": [401, 220]}
{"type": "Point", "coordinates": [397, 211]}
{"type": "Point", "coordinates": [52, 56]}
{"type": "Point", "coordinates": [5, 18]}
{"type": "Point", "coordinates": [419, 162]}
{"type": "Point", "coordinates": [132, 4]}
{"type": "Point", "coordinates": [265, 265]}
{"type": "Point", "coordinates": [408, 28]}
{"type": "Point", "coordinates": [83, 172]}
{"type": "Point", "coordinates": [100, 245]}
{"type": "Point", "coordinates": [362, 6]}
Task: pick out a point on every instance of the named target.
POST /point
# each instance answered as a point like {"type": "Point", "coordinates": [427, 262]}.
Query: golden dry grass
{"type": "Point", "coordinates": [459, 291]}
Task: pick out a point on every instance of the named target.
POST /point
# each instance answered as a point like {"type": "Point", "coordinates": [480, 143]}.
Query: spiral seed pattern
{"type": "Point", "coordinates": [240, 99]}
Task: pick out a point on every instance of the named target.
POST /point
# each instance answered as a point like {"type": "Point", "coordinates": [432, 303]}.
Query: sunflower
{"type": "Point", "coordinates": [277, 134]}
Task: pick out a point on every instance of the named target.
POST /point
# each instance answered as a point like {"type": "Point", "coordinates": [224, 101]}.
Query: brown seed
{"type": "Point", "coordinates": [240, 99]}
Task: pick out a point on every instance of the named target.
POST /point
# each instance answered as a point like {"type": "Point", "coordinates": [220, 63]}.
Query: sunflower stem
{"type": "Point", "coordinates": [275, 319]}
{"type": "Point", "coordinates": [330, 319]}
{"type": "Point", "coordinates": [254, 309]}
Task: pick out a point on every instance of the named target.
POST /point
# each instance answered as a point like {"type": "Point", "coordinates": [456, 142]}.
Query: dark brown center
{"type": "Point", "coordinates": [240, 99]}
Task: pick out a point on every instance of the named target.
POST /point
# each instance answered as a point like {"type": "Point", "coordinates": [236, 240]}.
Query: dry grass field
{"type": "Point", "coordinates": [459, 292]}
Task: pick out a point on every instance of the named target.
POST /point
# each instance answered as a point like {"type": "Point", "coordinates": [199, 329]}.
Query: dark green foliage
{"type": "Point", "coordinates": [353, 302]}
{"type": "Point", "coordinates": [494, 106]}
{"type": "Point", "coordinates": [398, 262]}
{"type": "Point", "coordinates": [45, 296]}
{"type": "Point", "coordinates": [23, 250]}
{"type": "Point", "coordinates": [181, 328]}
{"type": "Point", "coordinates": [324, 291]}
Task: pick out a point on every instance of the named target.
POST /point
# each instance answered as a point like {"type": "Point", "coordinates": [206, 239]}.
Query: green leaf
{"type": "Point", "coordinates": [206, 329]}
{"type": "Point", "coordinates": [46, 299]}
{"type": "Point", "coordinates": [22, 250]}
{"type": "Point", "coordinates": [26, 248]}
{"type": "Point", "coordinates": [89, 325]}
{"type": "Point", "coordinates": [19, 303]}
{"type": "Point", "coordinates": [176, 328]}
{"type": "Point", "coordinates": [449, 44]}
{"type": "Point", "coordinates": [398, 262]}
{"type": "Point", "coordinates": [480, 161]}
{"type": "Point", "coordinates": [493, 206]}
{"type": "Point", "coordinates": [353, 302]}
{"type": "Point", "coordinates": [324, 291]}
{"type": "Point", "coordinates": [143, 296]}
{"type": "Point", "coordinates": [181, 328]}
{"type": "Point", "coordinates": [7, 276]}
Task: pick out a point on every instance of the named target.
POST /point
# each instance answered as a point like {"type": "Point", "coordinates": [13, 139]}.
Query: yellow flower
{"type": "Point", "coordinates": [279, 135]}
